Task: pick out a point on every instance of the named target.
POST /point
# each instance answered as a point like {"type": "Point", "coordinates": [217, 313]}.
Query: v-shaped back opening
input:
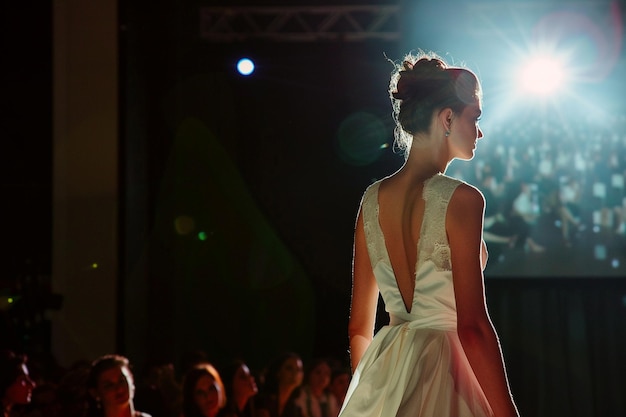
{"type": "Point", "coordinates": [406, 280]}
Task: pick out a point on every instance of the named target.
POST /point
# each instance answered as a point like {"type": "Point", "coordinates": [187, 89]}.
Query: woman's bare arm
{"type": "Point", "coordinates": [464, 224]}
{"type": "Point", "coordinates": [364, 297]}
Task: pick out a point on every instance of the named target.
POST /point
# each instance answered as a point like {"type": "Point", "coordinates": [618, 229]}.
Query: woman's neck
{"type": "Point", "coordinates": [284, 392]}
{"type": "Point", "coordinates": [241, 400]}
{"type": "Point", "coordinates": [427, 157]}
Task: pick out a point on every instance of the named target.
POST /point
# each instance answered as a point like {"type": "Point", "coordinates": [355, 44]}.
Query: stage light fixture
{"type": "Point", "coordinates": [245, 66]}
{"type": "Point", "coordinates": [543, 76]}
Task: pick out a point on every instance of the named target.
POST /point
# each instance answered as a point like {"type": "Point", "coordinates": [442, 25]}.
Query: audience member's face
{"type": "Point", "coordinates": [206, 394]}
{"type": "Point", "coordinates": [319, 378]}
{"type": "Point", "coordinates": [115, 388]}
{"type": "Point", "coordinates": [290, 373]}
{"type": "Point", "coordinates": [21, 390]}
{"type": "Point", "coordinates": [243, 382]}
{"type": "Point", "coordinates": [339, 385]}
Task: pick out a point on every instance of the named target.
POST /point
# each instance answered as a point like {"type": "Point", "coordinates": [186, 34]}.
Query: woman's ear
{"type": "Point", "coordinates": [445, 118]}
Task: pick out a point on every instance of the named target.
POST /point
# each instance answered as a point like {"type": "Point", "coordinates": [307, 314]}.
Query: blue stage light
{"type": "Point", "coordinates": [245, 66]}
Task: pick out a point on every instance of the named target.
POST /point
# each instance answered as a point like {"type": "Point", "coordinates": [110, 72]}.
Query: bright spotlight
{"type": "Point", "coordinates": [245, 66]}
{"type": "Point", "coordinates": [543, 76]}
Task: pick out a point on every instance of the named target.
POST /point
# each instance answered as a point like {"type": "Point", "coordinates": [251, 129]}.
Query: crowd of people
{"type": "Point", "coordinates": [553, 187]}
{"type": "Point", "coordinates": [108, 387]}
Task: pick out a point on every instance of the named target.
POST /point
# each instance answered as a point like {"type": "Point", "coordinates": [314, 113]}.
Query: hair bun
{"type": "Point", "coordinates": [419, 79]}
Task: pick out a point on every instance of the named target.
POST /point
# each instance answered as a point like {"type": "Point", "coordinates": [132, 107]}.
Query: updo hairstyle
{"type": "Point", "coordinates": [422, 85]}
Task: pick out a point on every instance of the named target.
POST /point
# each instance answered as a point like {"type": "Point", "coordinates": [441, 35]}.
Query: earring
{"type": "Point", "coordinates": [447, 133]}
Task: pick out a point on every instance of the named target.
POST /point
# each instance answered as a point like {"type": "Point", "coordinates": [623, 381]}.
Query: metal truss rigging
{"type": "Point", "coordinates": [300, 24]}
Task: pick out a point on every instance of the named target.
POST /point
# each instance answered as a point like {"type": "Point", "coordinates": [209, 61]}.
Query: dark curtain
{"type": "Point", "coordinates": [564, 342]}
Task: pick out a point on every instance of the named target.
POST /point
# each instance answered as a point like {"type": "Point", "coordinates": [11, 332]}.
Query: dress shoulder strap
{"type": "Point", "coordinates": [373, 235]}
{"type": "Point", "coordinates": [441, 187]}
{"type": "Point", "coordinates": [434, 241]}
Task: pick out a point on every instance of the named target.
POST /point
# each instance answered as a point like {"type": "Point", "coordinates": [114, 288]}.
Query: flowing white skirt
{"type": "Point", "coordinates": [415, 372]}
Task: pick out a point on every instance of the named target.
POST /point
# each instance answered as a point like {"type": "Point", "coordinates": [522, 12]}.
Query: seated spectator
{"type": "Point", "coordinates": [282, 379]}
{"type": "Point", "coordinates": [570, 195]}
{"type": "Point", "coordinates": [16, 387]}
{"type": "Point", "coordinates": [111, 387]}
{"type": "Point", "coordinates": [315, 400]}
{"type": "Point", "coordinates": [339, 383]}
{"type": "Point", "coordinates": [203, 392]}
{"type": "Point", "coordinates": [620, 215]}
{"type": "Point", "coordinates": [524, 217]}
{"type": "Point", "coordinates": [241, 390]}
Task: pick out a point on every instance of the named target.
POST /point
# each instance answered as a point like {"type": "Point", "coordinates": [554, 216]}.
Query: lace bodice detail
{"type": "Point", "coordinates": [369, 205]}
{"type": "Point", "coordinates": [433, 241]}
{"type": "Point", "coordinates": [433, 295]}
{"type": "Point", "coordinates": [433, 244]}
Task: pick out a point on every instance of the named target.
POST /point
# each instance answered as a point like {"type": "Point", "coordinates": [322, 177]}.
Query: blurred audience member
{"type": "Point", "coordinates": [111, 387]}
{"type": "Point", "coordinates": [339, 382]}
{"type": "Point", "coordinates": [203, 392]}
{"type": "Point", "coordinates": [283, 377]}
{"type": "Point", "coordinates": [241, 389]}
{"type": "Point", "coordinates": [525, 213]}
{"type": "Point", "coordinates": [16, 387]}
{"type": "Point", "coordinates": [315, 400]}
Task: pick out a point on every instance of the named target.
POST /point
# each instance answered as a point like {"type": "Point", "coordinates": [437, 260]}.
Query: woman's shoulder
{"type": "Point", "coordinates": [467, 194]}
{"type": "Point", "coordinates": [369, 198]}
{"type": "Point", "coordinates": [466, 204]}
{"type": "Point", "coordinates": [444, 188]}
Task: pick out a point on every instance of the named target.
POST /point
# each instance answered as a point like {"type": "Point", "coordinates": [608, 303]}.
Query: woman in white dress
{"type": "Point", "coordinates": [418, 242]}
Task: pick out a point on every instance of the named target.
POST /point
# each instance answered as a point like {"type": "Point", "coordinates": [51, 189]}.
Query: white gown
{"type": "Point", "coordinates": [415, 366]}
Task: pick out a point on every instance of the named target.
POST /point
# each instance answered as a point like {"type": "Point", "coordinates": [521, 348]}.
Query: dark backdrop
{"type": "Point", "coordinates": [261, 166]}
{"type": "Point", "coordinates": [25, 172]}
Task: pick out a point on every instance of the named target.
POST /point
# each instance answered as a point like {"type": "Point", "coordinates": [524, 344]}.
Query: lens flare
{"type": "Point", "coordinates": [361, 138]}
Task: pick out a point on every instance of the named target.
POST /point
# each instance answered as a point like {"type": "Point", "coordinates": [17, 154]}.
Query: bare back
{"type": "Point", "coordinates": [401, 212]}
